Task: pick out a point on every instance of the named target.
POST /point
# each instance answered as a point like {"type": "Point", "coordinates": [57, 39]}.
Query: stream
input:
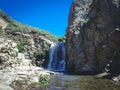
{"type": "Point", "coordinates": [70, 82]}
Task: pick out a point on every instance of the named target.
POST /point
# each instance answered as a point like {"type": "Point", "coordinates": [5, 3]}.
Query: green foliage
{"type": "Point", "coordinates": [21, 27]}
{"type": "Point", "coordinates": [26, 29]}
{"type": "Point", "coordinates": [86, 21]}
{"type": "Point", "coordinates": [44, 80]}
{"type": "Point", "coordinates": [41, 54]}
{"type": "Point", "coordinates": [62, 39]}
{"type": "Point", "coordinates": [21, 45]}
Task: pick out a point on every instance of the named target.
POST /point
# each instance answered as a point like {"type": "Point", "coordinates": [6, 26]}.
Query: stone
{"type": "Point", "coordinates": [26, 62]}
{"type": "Point", "coordinates": [14, 45]}
{"type": "Point", "coordinates": [101, 75]}
{"type": "Point", "coordinates": [93, 36]}
{"type": "Point", "coordinates": [117, 78]}
{"type": "Point", "coordinates": [21, 56]}
{"type": "Point", "coordinates": [22, 73]}
{"type": "Point", "coordinates": [3, 48]}
{"type": "Point", "coordinates": [5, 87]}
{"type": "Point", "coordinates": [13, 54]}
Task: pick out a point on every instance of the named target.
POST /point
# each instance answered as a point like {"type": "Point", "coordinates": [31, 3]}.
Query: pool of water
{"type": "Point", "coordinates": [70, 82]}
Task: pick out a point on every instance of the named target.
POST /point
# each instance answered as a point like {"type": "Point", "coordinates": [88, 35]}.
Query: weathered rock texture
{"type": "Point", "coordinates": [93, 36]}
{"type": "Point", "coordinates": [38, 41]}
{"type": "Point", "coordinates": [3, 23]}
{"type": "Point", "coordinates": [37, 47]}
{"type": "Point", "coordinates": [9, 55]}
{"type": "Point", "coordinates": [15, 68]}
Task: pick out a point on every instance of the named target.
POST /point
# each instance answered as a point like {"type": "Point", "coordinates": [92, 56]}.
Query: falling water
{"type": "Point", "coordinates": [57, 57]}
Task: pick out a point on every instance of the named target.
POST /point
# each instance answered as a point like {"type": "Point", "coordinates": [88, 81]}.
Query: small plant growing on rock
{"type": "Point", "coordinates": [21, 45]}
{"type": "Point", "coordinates": [62, 39]}
{"type": "Point", "coordinates": [44, 80]}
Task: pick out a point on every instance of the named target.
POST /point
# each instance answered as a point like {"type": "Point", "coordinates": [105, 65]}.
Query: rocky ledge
{"type": "Point", "coordinates": [15, 68]}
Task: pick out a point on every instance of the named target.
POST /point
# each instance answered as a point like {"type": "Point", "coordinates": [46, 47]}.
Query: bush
{"type": "Point", "coordinates": [21, 45]}
{"type": "Point", "coordinates": [62, 38]}
{"type": "Point", "coordinates": [44, 80]}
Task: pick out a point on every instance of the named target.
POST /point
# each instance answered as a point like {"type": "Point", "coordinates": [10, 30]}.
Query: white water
{"type": "Point", "coordinates": [57, 57]}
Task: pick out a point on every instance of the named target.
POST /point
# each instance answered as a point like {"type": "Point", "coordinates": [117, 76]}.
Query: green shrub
{"type": "Point", "coordinates": [41, 54]}
{"type": "Point", "coordinates": [44, 80]}
{"type": "Point", "coordinates": [21, 45]}
{"type": "Point", "coordinates": [62, 38]}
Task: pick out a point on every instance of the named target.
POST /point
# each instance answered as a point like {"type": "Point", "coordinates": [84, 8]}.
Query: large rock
{"type": "Point", "coordinates": [93, 36]}
{"type": "Point", "coordinates": [14, 67]}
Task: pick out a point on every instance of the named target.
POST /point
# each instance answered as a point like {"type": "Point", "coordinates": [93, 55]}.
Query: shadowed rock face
{"type": "Point", "coordinates": [93, 36]}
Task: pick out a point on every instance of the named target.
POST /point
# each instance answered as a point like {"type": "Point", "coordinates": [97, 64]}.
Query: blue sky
{"type": "Point", "coordinates": [50, 15]}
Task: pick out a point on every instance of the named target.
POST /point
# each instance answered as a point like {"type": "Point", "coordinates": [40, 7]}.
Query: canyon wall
{"type": "Point", "coordinates": [93, 37]}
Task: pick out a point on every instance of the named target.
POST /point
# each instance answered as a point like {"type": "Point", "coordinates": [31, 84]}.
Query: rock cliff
{"type": "Point", "coordinates": [15, 69]}
{"type": "Point", "coordinates": [93, 37]}
{"type": "Point", "coordinates": [32, 42]}
{"type": "Point", "coordinates": [22, 49]}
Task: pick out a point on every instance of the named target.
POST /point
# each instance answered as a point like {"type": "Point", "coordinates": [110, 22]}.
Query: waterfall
{"type": "Point", "coordinates": [57, 57]}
